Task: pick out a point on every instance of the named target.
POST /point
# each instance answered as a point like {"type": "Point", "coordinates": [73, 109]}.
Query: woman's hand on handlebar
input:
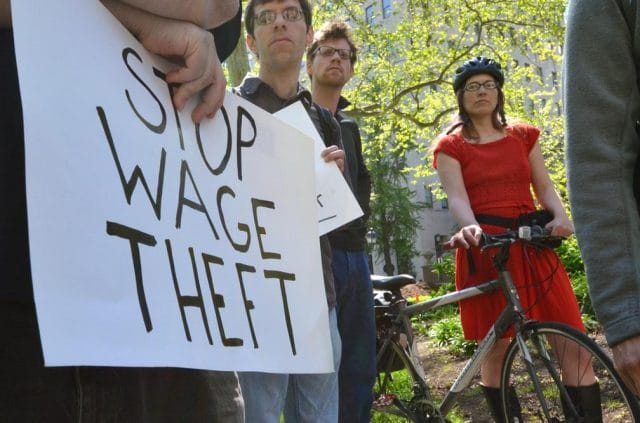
{"type": "Point", "coordinates": [560, 226]}
{"type": "Point", "coordinates": [466, 237]}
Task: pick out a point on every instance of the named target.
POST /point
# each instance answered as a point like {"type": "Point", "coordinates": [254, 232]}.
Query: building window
{"type": "Point", "coordinates": [527, 74]}
{"type": "Point", "coordinates": [369, 14]}
{"type": "Point", "coordinates": [386, 8]}
{"type": "Point", "coordinates": [428, 197]}
{"type": "Point", "coordinates": [444, 203]}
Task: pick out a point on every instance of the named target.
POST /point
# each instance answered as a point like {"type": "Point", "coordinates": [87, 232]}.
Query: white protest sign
{"type": "Point", "coordinates": [155, 242]}
{"type": "Point", "coordinates": [337, 204]}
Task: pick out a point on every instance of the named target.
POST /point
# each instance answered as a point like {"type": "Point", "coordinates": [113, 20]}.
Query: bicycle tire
{"type": "Point", "coordinates": [404, 394]}
{"type": "Point", "coordinates": [618, 404]}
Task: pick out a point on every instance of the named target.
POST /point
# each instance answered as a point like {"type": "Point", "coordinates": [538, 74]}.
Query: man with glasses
{"type": "Point", "coordinates": [278, 32]}
{"type": "Point", "coordinates": [330, 61]}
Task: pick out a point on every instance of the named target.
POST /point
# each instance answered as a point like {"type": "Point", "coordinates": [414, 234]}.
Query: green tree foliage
{"type": "Point", "coordinates": [402, 91]}
{"type": "Point", "coordinates": [237, 65]}
{"type": "Point", "coordinates": [403, 81]}
{"type": "Point", "coordinates": [394, 214]}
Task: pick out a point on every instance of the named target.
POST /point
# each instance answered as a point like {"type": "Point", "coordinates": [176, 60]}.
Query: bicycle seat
{"type": "Point", "coordinates": [391, 283]}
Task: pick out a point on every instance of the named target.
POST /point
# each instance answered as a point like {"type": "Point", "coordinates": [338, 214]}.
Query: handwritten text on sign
{"type": "Point", "coordinates": [154, 241]}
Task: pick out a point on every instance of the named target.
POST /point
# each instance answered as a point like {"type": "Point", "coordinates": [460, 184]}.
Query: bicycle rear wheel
{"type": "Point", "coordinates": [558, 355]}
{"type": "Point", "coordinates": [400, 388]}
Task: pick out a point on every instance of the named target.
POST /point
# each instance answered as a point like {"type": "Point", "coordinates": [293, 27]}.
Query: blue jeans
{"type": "Point", "coordinates": [308, 398]}
{"type": "Point", "coordinates": [356, 323]}
{"type": "Point", "coordinates": [30, 392]}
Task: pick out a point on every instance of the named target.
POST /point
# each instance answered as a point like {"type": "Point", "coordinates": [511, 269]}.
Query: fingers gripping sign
{"type": "Point", "coordinates": [334, 154]}
{"type": "Point", "coordinates": [200, 71]}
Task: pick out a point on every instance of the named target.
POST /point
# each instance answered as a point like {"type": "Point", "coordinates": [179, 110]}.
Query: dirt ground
{"type": "Point", "coordinates": [442, 368]}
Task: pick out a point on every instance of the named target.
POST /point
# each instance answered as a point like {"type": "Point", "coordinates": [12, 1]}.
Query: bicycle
{"type": "Point", "coordinates": [532, 369]}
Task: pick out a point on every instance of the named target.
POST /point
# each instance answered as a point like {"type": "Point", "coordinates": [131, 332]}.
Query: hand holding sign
{"type": "Point", "coordinates": [334, 154]}
{"type": "Point", "coordinates": [336, 203]}
{"type": "Point", "coordinates": [185, 44]}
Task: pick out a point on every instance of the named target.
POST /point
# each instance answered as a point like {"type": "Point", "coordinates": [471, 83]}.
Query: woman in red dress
{"type": "Point", "coordinates": [487, 167]}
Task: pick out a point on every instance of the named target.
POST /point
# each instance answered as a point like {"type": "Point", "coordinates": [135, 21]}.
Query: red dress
{"type": "Point", "coordinates": [497, 177]}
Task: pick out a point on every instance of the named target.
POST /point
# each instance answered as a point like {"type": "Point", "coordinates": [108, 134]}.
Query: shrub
{"type": "Point", "coordinates": [445, 265]}
{"type": "Point", "coordinates": [569, 253]}
{"type": "Point", "coordinates": [448, 333]}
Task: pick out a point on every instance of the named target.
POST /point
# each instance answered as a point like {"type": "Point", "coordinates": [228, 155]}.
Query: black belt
{"type": "Point", "coordinates": [503, 222]}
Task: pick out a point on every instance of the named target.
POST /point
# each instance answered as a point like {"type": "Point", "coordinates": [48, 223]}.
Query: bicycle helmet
{"type": "Point", "coordinates": [475, 66]}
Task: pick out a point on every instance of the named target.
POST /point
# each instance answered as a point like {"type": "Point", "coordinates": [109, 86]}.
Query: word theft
{"type": "Point", "coordinates": [246, 233]}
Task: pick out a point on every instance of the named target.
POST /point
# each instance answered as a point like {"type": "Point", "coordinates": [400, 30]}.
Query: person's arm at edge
{"type": "Point", "coordinates": [206, 14]}
{"type": "Point", "coordinates": [547, 194]}
{"type": "Point", "coordinates": [450, 175]}
{"type": "Point", "coordinates": [5, 14]}
{"type": "Point", "coordinates": [600, 85]}
{"type": "Point", "coordinates": [601, 101]}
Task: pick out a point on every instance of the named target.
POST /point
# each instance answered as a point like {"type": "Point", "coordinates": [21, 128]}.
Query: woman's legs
{"type": "Point", "coordinates": [574, 361]}
{"type": "Point", "coordinates": [577, 375]}
{"type": "Point", "coordinates": [492, 365]}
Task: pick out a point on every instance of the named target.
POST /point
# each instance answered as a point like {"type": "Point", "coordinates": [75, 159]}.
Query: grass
{"type": "Point", "coordinates": [401, 385]}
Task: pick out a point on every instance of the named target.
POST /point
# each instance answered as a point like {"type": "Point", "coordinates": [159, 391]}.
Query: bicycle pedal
{"type": "Point", "coordinates": [384, 400]}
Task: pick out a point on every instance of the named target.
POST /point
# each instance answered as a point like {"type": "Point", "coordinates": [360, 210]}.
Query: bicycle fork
{"type": "Point", "coordinates": [517, 318]}
{"type": "Point", "coordinates": [545, 357]}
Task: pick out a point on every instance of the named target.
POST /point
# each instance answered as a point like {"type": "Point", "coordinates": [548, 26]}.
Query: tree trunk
{"type": "Point", "coordinates": [388, 267]}
{"type": "Point", "coordinates": [238, 62]}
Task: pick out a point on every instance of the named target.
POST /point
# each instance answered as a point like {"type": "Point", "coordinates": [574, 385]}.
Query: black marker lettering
{"type": "Point", "coordinates": [135, 238]}
{"type": "Point", "coordinates": [260, 230]}
{"type": "Point", "coordinates": [182, 201]}
{"type": "Point", "coordinates": [163, 76]}
{"type": "Point", "coordinates": [227, 153]}
{"type": "Point", "coordinates": [282, 276]}
{"type": "Point", "coordinates": [243, 143]}
{"type": "Point", "coordinates": [158, 129]}
{"type": "Point", "coordinates": [242, 227]}
{"type": "Point", "coordinates": [218, 301]}
{"type": "Point", "coordinates": [248, 304]}
{"type": "Point", "coordinates": [130, 185]}
{"type": "Point", "coordinates": [188, 300]}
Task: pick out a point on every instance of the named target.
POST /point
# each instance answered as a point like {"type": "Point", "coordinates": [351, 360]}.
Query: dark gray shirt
{"type": "Point", "coordinates": [262, 95]}
{"type": "Point", "coordinates": [351, 237]}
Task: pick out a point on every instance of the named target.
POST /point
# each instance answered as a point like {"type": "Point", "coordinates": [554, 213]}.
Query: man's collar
{"type": "Point", "coordinates": [251, 84]}
{"type": "Point", "coordinates": [343, 103]}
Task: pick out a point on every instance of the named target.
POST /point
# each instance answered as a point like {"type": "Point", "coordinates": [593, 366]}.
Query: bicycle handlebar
{"type": "Point", "coordinates": [535, 235]}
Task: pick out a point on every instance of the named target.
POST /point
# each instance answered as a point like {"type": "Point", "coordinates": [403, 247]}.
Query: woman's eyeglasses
{"type": "Point", "coordinates": [475, 86]}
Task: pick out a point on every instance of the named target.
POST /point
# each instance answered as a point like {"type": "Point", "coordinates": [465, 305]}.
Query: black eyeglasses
{"type": "Point", "coordinates": [267, 17]}
{"type": "Point", "coordinates": [328, 51]}
{"type": "Point", "coordinates": [475, 86]}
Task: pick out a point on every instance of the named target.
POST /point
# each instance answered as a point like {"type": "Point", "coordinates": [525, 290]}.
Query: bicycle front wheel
{"type": "Point", "coordinates": [559, 374]}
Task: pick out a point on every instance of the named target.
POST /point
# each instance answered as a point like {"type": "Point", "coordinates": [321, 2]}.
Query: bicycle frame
{"type": "Point", "coordinates": [533, 351]}
{"type": "Point", "coordinates": [513, 313]}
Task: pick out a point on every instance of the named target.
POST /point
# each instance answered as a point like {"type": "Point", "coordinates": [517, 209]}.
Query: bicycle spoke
{"type": "Point", "coordinates": [553, 373]}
